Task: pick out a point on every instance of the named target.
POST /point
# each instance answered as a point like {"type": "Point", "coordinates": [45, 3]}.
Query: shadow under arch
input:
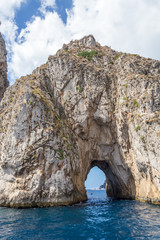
{"type": "Point", "coordinates": [115, 187]}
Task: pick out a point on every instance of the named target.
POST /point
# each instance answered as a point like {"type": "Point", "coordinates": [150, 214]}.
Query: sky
{"type": "Point", "coordinates": [95, 178]}
{"type": "Point", "coordinates": [35, 29]}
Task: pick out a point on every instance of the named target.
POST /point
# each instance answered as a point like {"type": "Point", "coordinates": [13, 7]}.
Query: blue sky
{"type": "Point", "coordinates": [95, 178]}
{"type": "Point", "coordinates": [30, 8]}
{"type": "Point", "coordinates": [35, 29]}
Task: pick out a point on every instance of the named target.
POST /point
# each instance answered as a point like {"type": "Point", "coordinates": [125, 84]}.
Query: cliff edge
{"type": "Point", "coordinates": [3, 67]}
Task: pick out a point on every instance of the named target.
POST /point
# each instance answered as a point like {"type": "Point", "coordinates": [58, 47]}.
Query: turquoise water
{"type": "Point", "coordinates": [99, 218]}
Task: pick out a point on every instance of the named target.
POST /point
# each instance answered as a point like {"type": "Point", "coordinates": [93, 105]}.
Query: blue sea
{"type": "Point", "coordinates": [99, 218]}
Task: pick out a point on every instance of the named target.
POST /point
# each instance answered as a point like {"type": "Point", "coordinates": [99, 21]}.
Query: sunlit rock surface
{"type": "Point", "coordinates": [87, 106]}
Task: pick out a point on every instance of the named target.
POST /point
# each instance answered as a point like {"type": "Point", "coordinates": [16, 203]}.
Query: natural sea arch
{"type": "Point", "coordinates": [118, 186]}
{"type": "Point", "coordinates": [113, 187]}
{"type": "Point", "coordinates": [99, 146]}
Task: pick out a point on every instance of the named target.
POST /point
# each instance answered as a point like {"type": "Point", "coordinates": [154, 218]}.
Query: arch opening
{"type": "Point", "coordinates": [95, 178]}
{"type": "Point", "coordinates": [95, 184]}
{"type": "Point", "coordinates": [116, 185]}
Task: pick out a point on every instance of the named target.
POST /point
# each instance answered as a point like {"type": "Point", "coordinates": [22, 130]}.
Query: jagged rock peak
{"type": "Point", "coordinates": [3, 67]}
{"type": "Point", "coordinates": [87, 41]}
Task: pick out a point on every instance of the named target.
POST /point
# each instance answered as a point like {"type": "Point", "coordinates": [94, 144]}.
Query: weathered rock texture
{"type": "Point", "coordinates": [3, 67]}
{"type": "Point", "coordinates": [74, 113]}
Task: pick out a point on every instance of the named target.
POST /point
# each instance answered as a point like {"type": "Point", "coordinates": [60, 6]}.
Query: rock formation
{"type": "Point", "coordinates": [103, 186]}
{"type": "Point", "coordinates": [87, 106]}
{"type": "Point", "coordinates": [3, 67]}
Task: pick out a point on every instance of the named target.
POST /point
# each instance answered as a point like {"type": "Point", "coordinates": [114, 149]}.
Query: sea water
{"type": "Point", "coordinates": [99, 218]}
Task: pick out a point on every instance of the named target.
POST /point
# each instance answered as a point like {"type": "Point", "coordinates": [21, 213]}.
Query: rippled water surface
{"type": "Point", "coordinates": [98, 218]}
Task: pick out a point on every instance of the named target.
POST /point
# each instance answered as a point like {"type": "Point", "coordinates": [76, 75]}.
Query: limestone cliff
{"type": "Point", "coordinates": [87, 106]}
{"type": "Point", "coordinates": [3, 67]}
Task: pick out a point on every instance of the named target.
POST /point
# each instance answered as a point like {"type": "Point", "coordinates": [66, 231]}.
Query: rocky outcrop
{"type": "Point", "coordinates": [103, 186]}
{"type": "Point", "coordinates": [87, 106]}
{"type": "Point", "coordinates": [3, 67]}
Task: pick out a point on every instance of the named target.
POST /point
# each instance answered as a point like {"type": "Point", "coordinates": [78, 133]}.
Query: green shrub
{"type": "Point", "coordinates": [126, 98]}
{"type": "Point", "coordinates": [118, 56]}
{"type": "Point", "coordinates": [11, 99]}
{"type": "Point", "coordinates": [125, 85]}
{"type": "Point", "coordinates": [101, 54]}
{"type": "Point", "coordinates": [137, 128]}
{"type": "Point", "coordinates": [143, 139]}
{"type": "Point", "coordinates": [30, 102]}
{"type": "Point", "coordinates": [89, 55]}
{"type": "Point", "coordinates": [61, 153]}
{"type": "Point", "coordinates": [135, 103]}
{"type": "Point", "coordinates": [79, 89]}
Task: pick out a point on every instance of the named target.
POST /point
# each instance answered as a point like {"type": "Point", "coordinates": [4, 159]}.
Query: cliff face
{"type": "Point", "coordinates": [3, 67]}
{"type": "Point", "coordinates": [87, 106]}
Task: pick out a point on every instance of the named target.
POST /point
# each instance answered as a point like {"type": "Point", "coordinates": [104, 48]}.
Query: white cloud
{"type": "Point", "coordinates": [42, 38]}
{"type": "Point", "coordinates": [8, 7]}
{"type": "Point", "coordinates": [132, 26]}
{"type": "Point", "coordinates": [8, 25]}
{"type": "Point", "coordinates": [47, 3]}
{"type": "Point", "coordinates": [125, 25]}
{"type": "Point", "coordinates": [7, 14]}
